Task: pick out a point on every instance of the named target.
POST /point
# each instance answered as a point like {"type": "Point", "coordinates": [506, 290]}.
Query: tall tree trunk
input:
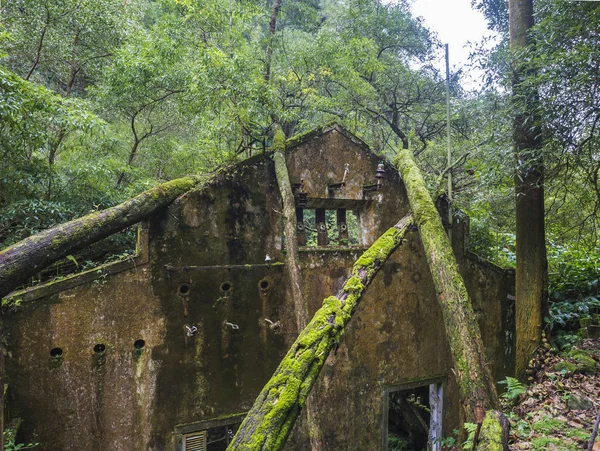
{"type": "Point", "coordinates": [289, 224]}
{"type": "Point", "coordinates": [532, 267]}
{"type": "Point", "coordinates": [73, 69]}
{"type": "Point", "coordinates": [292, 261]}
{"type": "Point", "coordinates": [267, 425]}
{"type": "Point", "coordinates": [474, 379]}
{"type": "Point", "coordinates": [272, 31]}
{"type": "Point", "coordinates": [26, 258]}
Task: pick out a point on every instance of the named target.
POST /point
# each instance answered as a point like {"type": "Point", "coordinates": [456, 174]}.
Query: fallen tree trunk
{"type": "Point", "coordinates": [477, 389]}
{"type": "Point", "coordinates": [29, 256]}
{"type": "Point", "coordinates": [271, 418]}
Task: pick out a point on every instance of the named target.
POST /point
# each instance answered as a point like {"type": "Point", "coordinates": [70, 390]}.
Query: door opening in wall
{"type": "Point", "coordinates": [414, 417]}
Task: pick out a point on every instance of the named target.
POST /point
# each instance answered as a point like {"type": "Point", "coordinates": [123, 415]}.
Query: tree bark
{"type": "Point", "coordinates": [476, 385]}
{"type": "Point", "coordinates": [531, 268]}
{"type": "Point", "coordinates": [267, 425]}
{"type": "Point", "coordinates": [29, 256]}
{"type": "Point", "coordinates": [292, 260]}
{"type": "Point", "coordinates": [272, 31]}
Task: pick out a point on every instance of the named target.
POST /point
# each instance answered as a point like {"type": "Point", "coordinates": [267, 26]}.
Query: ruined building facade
{"type": "Point", "coordinates": [168, 351]}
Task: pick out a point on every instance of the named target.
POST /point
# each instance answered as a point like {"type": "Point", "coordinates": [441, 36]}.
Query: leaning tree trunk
{"type": "Point", "coordinates": [278, 405]}
{"type": "Point", "coordinates": [292, 258]}
{"type": "Point", "coordinates": [532, 268]}
{"type": "Point", "coordinates": [475, 382]}
{"type": "Point", "coordinates": [292, 261]}
{"type": "Point", "coordinates": [26, 258]}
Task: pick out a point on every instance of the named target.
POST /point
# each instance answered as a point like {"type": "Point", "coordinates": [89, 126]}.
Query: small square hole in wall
{"type": "Point", "coordinates": [414, 418]}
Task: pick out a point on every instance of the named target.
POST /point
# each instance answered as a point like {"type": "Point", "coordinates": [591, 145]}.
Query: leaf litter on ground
{"type": "Point", "coordinates": [559, 405]}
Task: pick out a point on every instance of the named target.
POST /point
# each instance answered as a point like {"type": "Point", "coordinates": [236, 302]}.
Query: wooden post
{"type": "Point", "coordinates": [342, 227]}
{"type": "Point", "coordinates": [322, 239]}
{"type": "Point", "coordinates": [300, 229]}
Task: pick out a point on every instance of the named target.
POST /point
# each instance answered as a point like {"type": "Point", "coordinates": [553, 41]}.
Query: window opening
{"type": "Point", "coordinates": [215, 438]}
{"type": "Point", "coordinates": [322, 227]}
{"type": "Point", "coordinates": [414, 418]}
{"type": "Point", "coordinates": [195, 441]}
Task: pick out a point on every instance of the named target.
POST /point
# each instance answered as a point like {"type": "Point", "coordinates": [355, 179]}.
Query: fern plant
{"type": "Point", "coordinates": [471, 428]}
{"type": "Point", "coordinates": [514, 389]}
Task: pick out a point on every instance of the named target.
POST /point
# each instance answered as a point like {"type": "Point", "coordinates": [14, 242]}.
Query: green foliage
{"type": "Point", "coordinates": [470, 428]}
{"type": "Point", "coordinates": [332, 228]}
{"type": "Point", "coordinates": [514, 389]}
{"type": "Point", "coordinates": [179, 86]}
{"type": "Point", "coordinates": [10, 445]}
{"type": "Point", "coordinates": [566, 314]}
{"type": "Point", "coordinates": [396, 443]}
{"type": "Point", "coordinates": [450, 441]}
{"type": "Point", "coordinates": [574, 273]}
{"type": "Point", "coordinates": [565, 341]}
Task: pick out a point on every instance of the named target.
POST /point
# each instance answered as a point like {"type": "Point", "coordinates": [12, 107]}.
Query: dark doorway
{"type": "Point", "coordinates": [414, 418]}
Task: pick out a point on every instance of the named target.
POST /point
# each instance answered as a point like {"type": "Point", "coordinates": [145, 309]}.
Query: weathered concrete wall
{"type": "Point", "coordinates": [216, 318]}
{"type": "Point", "coordinates": [84, 399]}
{"type": "Point", "coordinates": [220, 369]}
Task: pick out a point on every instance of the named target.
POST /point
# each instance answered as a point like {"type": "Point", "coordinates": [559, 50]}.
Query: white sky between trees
{"type": "Point", "coordinates": [456, 24]}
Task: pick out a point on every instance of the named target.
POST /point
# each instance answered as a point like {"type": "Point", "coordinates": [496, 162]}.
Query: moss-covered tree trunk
{"type": "Point", "coordinates": [531, 271]}
{"type": "Point", "coordinates": [267, 425]}
{"type": "Point", "coordinates": [292, 260]}
{"type": "Point", "coordinates": [29, 256]}
{"type": "Point", "coordinates": [477, 389]}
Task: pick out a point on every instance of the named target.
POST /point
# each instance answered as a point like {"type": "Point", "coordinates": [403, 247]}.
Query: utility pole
{"type": "Point", "coordinates": [449, 148]}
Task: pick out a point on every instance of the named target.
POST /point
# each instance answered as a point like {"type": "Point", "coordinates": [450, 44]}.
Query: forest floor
{"type": "Point", "coordinates": [558, 408]}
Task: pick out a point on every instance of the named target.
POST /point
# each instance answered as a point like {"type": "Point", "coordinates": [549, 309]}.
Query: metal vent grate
{"type": "Point", "coordinates": [195, 442]}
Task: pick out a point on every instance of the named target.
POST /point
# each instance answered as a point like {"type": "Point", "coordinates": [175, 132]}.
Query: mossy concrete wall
{"type": "Point", "coordinates": [216, 318]}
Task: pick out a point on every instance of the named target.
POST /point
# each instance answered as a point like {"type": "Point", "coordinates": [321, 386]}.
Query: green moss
{"type": "Point", "coordinates": [300, 137]}
{"type": "Point", "coordinates": [584, 362]}
{"type": "Point", "coordinates": [542, 443]}
{"type": "Point", "coordinates": [379, 251]}
{"type": "Point", "coordinates": [491, 432]}
{"type": "Point", "coordinates": [548, 425]}
{"type": "Point", "coordinates": [278, 140]}
{"type": "Point", "coordinates": [565, 367]}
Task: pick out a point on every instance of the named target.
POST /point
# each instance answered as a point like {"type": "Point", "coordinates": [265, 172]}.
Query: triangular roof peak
{"type": "Point", "coordinates": [319, 131]}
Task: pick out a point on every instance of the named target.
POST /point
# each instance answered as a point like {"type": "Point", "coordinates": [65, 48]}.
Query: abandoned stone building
{"type": "Point", "coordinates": [168, 351]}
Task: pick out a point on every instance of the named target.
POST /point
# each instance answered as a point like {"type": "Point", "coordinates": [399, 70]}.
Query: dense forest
{"type": "Point", "coordinates": [103, 99]}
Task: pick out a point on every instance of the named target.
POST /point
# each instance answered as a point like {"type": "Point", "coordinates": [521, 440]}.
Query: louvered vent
{"type": "Point", "coordinates": [195, 442]}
